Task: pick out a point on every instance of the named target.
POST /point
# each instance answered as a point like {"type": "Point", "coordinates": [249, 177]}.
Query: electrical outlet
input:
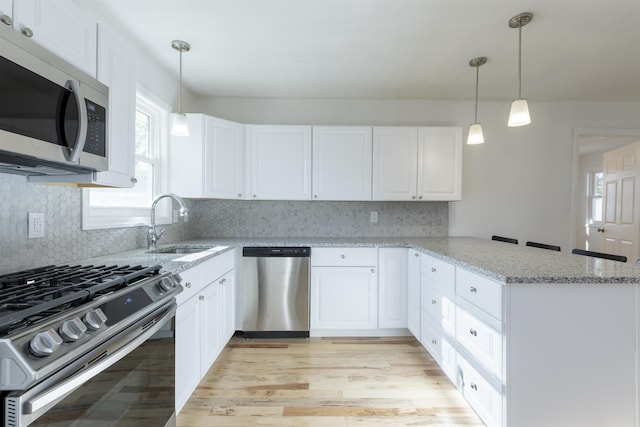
{"type": "Point", "coordinates": [36, 225]}
{"type": "Point", "coordinates": [374, 217]}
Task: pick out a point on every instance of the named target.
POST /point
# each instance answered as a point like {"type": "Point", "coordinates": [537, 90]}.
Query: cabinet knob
{"type": "Point", "coordinates": [416, 254]}
{"type": "Point", "coordinates": [420, 197]}
{"type": "Point", "coordinates": [433, 269]}
{"type": "Point", "coordinates": [473, 332]}
{"type": "Point", "coordinates": [373, 270]}
{"type": "Point", "coordinates": [26, 31]}
{"type": "Point", "coordinates": [134, 179]}
{"type": "Point", "coordinates": [473, 289]}
{"type": "Point", "coordinates": [600, 230]}
{"type": "Point", "coordinates": [6, 20]}
{"type": "Point", "coordinates": [201, 297]}
{"type": "Point", "coordinates": [343, 256]}
{"type": "Point", "coordinates": [187, 285]}
{"type": "Point", "coordinates": [255, 197]}
{"type": "Point", "coordinates": [434, 342]}
{"type": "Point", "coordinates": [239, 194]}
{"type": "Point", "coordinates": [315, 196]}
{"type": "Point", "coordinates": [474, 386]}
{"type": "Point", "coordinates": [413, 197]}
{"type": "Point", "coordinates": [434, 301]}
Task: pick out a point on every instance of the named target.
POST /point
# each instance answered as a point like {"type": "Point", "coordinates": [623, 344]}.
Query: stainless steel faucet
{"type": "Point", "coordinates": [152, 235]}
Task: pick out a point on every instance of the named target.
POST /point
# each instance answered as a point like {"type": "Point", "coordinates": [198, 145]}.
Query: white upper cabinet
{"type": "Point", "coordinates": [439, 163]}
{"type": "Point", "coordinates": [60, 27]}
{"type": "Point", "coordinates": [342, 162]}
{"type": "Point", "coordinates": [280, 162]}
{"type": "Point", "coordinates": [209, 163]}
{"type": "Point", "coordinates": [116, 69]}
{"type": "Point", "coordinates": [395, 167]}
{"type": "Point", "coordinates": [411, 163]}
{"type": "Point", "coordinates": [6, 12]}
{"type": "Point", "coordinates": [225, 159]}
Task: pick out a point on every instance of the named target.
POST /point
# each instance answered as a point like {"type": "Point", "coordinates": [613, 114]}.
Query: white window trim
{"type": "Point", "coordinates": [138, 217]}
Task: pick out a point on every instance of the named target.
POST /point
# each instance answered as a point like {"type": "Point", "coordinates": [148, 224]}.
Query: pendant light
{"type": "Point", "coordinates": [519, 115]}
{"type": "Point", "coordinates": [179, 126]}
{"type": "Point", "coordinates": [475, 135]}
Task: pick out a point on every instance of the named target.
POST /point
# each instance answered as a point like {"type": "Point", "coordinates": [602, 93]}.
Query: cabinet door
{"type": "Point", "coordinates": [392, 288]}
{"type": "Point", "coordinates": [187, 160]}
{"type": "Point", "coordinates": [413, 293]}
{"type": "Point", "coordinates": [225, 159]}
{"type": "Point", "coordinates": [344, 298]}
{"type": "Point", "coordinates": [342, 162]}
{"type": "Point", "coordinates": [187, 328]}
{"type": "Point", "coordinates": [116, 69]}
{"type": "Point", "coordinates": [280, 162]}
{"type": "Point", "coordinates": [59, 26]}
{"type": "Point", "coordinates": [395, 167]}
{"type": "Point", "coordinates": [6, 12]}
{"type": "Point", "coordinates": [209, 300]}
{"type": "Point", "coordinates": [439, 163]}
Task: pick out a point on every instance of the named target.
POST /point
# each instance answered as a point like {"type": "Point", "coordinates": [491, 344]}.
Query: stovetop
{"type": "Point", "coordinates": [32, 296]}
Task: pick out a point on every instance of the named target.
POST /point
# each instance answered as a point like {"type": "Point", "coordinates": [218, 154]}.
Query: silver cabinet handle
{"type": "Point", "coordinates": [434, 342]}
{"type": "Point", "coordinates": [473, 332]}
{"type": "Point", "coordinates": [343, 256]}
{"type": "Point", "coordinates": [413, 197]}
{"type": "Point", "coordinates": [433, 269]}
{"type": "Point", "coordinates": [315, 196]}
{"type": "Point", "coordinates": [373, 270]}
{"type": "Point", "coordinates": [26, 31]}
{"type": "Point", "coordinates": [6, 20]}
{"type": "Point", "coordinates": [187, 285]}
{"type": "Point", "coordinates": [473, 289]}
{"type": "Point", "coordinates": [134, 179]}
{"type": "Point", "coordinates": [433, 301]}
{"type": "Point", "coordinates": [201, 298]}
{"type": "Point", "coordinates": [473, 386]}
{"type": "Point", "coordinates": [255, 196]}
{"type": "Point", "coordinates": [416, 254]}
{"type": "Point", "coordinates": [239, 194]}
{"type": "Point", "coordinates": [420, 197]}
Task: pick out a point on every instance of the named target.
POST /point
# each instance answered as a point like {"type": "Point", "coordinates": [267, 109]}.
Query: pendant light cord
{"type": "Point", "coordinates": [477, 76]}
{"type": "Point", "coordinates": [180, 97]}
{"type": "Point", "coordinates": [520, 59]}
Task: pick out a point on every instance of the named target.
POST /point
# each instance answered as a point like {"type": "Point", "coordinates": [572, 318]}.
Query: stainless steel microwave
{"type": "Point", "coordinates": [53, 116]}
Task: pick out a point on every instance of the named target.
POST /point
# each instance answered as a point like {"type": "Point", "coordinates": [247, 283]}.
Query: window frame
{"type": "Point", "coordinates": [122, 216]}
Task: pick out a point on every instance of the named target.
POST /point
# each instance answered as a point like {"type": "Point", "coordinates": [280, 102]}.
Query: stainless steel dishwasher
{"type": "Point", "coordinates": [276, 292]}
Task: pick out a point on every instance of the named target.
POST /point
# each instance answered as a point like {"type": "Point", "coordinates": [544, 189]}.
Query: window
{"type": "Point", "coordinates": [128, 207]}
{"type": "Point", "coordinates": [594, 197]}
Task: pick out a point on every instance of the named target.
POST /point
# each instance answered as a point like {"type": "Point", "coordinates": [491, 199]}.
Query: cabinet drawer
{"type": "Point", "coordinates": [481, 340]}
{"type": "Point", "coordinates": [481, 291]}
{"type": "Point", "coordinates": [439, 346]}
{"type": "Point", "coordinates": [439, 307]}
{"type": "Point", "coordinates": [344, 257]}
{"type": "Point", "coordinates": [191, 283]}
{"type": "Point", "coordinates": [215, 267]}
{"type": "Point", "coordinates": [439, 272]}
{"type": "Point", "coordinates": [486, 400]}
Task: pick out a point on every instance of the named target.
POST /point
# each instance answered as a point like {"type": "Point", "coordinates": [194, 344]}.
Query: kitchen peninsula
{"type": "Point", "coordinates": [530, 337]}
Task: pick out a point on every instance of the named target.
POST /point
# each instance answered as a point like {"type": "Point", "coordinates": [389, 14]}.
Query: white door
{"type": "Point", "coordinates": [621, 210]}
{"type": "Point", "coordinates": [344, 298]}
{"type": "Point", "coordinates": [395, 164]}
{"type": "Point", "coordinates": [280, 162]}
{"type": "Point", "coordinates": [61, 27]}
{"type": "Point", "coordinates": [440, 163]}
{"type": "Point", "coordinates": [224, 159]}
{"type": "Point", "coordinates": [342, 162]}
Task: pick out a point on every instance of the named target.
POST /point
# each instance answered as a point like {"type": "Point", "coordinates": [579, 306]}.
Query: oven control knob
{"type": "Point", "coordinates": [45, 343]}
{"type": "Point", "coordinates": [72, 330]}
{"type": "Point", "coordinates": [166, 284]}
{"type": "Point", "coordinates": [94, 319]}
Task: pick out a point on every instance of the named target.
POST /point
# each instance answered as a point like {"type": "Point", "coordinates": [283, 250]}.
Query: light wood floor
{"type": "Point", "coordinates": [337, 382]}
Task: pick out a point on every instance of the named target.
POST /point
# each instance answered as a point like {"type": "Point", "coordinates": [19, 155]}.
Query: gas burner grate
{"type": "Point", "coordinates": [31, 296]}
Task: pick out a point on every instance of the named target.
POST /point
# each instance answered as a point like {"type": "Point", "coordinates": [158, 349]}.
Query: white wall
{"type": "Point", "coordinates": [519, 183]}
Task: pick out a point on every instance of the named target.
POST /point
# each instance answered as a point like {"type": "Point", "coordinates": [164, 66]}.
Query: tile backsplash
{"type": "Point", "coordinates": [66, 242]}
{"type": "Point", "coordinates": [240, 218]}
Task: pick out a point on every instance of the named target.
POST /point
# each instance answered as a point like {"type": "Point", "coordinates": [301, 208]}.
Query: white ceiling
{"type": "Point", "coordinates": [575, 50]}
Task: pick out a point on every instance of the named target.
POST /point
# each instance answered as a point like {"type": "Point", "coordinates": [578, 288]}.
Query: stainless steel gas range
{"type": "Point", "coordinates": [88, 345]}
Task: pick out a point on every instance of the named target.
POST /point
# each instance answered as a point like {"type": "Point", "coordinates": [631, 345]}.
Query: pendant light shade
{"type": "Point", "coordinates": [519, 114]}
{"type": "Point", "coordinates": [475, 135]}
{"type": "Point", "coordinates": [179, 126]}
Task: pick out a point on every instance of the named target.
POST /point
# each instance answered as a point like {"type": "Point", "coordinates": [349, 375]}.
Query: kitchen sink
{"type": "Point", "coordinates": [180, 250]}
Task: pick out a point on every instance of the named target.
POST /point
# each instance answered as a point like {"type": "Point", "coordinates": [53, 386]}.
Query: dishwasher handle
{"type": "Point", "coordinates": [276, 251]}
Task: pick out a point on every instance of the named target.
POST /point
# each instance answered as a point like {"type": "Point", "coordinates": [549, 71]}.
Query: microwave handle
{"type": "Point", "coordinates": [83, 123]}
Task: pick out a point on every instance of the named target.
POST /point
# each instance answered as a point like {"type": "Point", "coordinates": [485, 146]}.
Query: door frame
{"type": "Point", "coordinates": [613, 137]}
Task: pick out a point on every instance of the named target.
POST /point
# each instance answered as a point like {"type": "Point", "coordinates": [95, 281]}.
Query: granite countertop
{"type": "Point", "coordinates": [500, 261]}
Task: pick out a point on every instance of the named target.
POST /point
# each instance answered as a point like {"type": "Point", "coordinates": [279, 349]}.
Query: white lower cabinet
{"type": "Point", "coordinates": [204, 321]}
{"type": "Point", "coordinates": [483, 397]}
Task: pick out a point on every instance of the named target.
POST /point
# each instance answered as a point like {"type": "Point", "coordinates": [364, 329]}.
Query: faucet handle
{"type": "Point", "coordinates": [159, 233]}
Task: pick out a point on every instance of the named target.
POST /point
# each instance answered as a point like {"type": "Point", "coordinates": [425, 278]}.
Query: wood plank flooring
{"type": "Point", "coordinates": [337, 382]}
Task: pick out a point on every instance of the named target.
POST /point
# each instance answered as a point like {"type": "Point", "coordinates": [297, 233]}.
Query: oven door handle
{"type": "Point", "coordinates": [57, 393]}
